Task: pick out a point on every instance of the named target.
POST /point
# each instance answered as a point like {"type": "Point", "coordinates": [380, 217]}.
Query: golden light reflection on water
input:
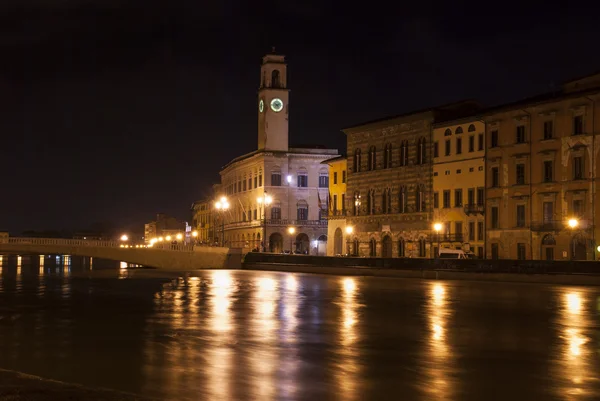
{"type": "Point", "coordinates": [220, 354]}
{"type": "Point", "coordinates": [264, 357]}
{"type": "Point", "coordinates": [575, 354]}
{"type": "Point", "coordinates": [348, 369]}
{"type": "Point", "coordinates": [439, 382]}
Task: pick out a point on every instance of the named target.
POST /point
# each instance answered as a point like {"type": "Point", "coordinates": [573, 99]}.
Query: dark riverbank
{"type": "Point", "coordinates": [553, 272]}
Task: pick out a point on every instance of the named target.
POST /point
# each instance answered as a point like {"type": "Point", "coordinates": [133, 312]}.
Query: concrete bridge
{"type": "Point", "coordinates": [179, 257]}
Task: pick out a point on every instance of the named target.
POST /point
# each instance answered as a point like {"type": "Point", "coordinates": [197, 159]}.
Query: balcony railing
{"type": "Point", "coordinates": [297, 223]}
{"type": "Point", "coordinates": [474, 209]}
{"type": "Point", "coordinates": [334, 214]}
{"type": "Point", "coordinates": [553, 225]}
{"type": "Point", "coordinates": [456, 237]}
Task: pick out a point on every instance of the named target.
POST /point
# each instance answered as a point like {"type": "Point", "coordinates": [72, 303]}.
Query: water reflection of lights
{"type": "Point", "coordinates": [291, 283]}
{"type": "Point", "coordinates": [220, 355]}
{"type": "Point", "coordinates": [575, 355]}
{"type": "Point", "coordinates": [349, 368]}
{"type": "Point", "coordinates": [438, 380]}
{"type": "Point", "coordinates": [221, 291]}
{"type": "Point", "coordinates": [264, 358]}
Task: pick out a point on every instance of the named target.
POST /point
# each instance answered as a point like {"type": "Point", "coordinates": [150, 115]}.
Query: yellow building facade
{"type": "Point", "coordinates": [459, 185]}
{"type": "Point", "coordinates": [203, 221]}
{"type": "Point", "coordinates": [336, 214]}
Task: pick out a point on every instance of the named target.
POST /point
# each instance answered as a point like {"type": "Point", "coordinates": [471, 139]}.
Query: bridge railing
{"type": "Point", "coordinates": [98, 244]}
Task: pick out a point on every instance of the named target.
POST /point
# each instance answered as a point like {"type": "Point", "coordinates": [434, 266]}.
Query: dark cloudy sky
{"type": "Point", "coordinates": [113, 110]}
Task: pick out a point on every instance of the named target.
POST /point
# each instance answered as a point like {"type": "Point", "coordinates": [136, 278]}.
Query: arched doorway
{"type": "Point", "coordinates": [355, 247]}
{"type": "Point", "coordinates": [302, 244]}
{"type": "Point", "coordinates": [548, 244]}
{"type": "Point", "coordinates": [337, 242]}
{"type": "Point", "coordinates": [322, 245]}
{"type": "Point", "coordinates": [386, 247]}
{"type": "Point", "coordinates": [275, 243]}
{"type": "Point", "coordinates": [372, 248]}
{"type": "Point", "coordinates": [579, 247]}
{"type": "Point", "coordinates": [401, 248]}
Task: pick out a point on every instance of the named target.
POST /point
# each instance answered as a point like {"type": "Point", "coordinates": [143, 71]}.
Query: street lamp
{"type": "Point", "coordinates": [291, 230]}
{"type": "Point", "coordinates": [222, 205]}
{"type": "Point", "coordinates": [437, 227]}
{"type": "Point", "coordinates": [264, 201]}
{"type": "Point", "coordinates": [179, 237]}
{"type": "Point", "coordinates": [124, 237]}
{"type": "Point", "coordinates": [349, 231]}
{"type": "Point", "coordinates": [573, 223]}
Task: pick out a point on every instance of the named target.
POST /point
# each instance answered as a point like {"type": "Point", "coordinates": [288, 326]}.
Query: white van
{"type": "Point", "coordinates": [448, 253]}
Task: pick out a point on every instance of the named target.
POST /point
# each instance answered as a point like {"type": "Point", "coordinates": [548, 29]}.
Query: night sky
{"type": "Point", "coordinates": [113, 110]}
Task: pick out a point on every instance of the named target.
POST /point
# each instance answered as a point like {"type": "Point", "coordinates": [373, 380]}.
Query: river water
{"type": "Point", "coordinates": [243, 335]}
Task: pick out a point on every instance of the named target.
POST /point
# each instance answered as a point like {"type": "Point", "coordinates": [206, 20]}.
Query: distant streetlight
{"type": "Point", "coordinates": [291, 230]}
{"type": "Point", "coordinates": [437, 227]}
{"type": "Point", "coordinates": [124, 237]}
{"type": "Point", "coordinates": [573, 223]}
{"type": "Point", "coordinates": [194, 234]}
{"type": "Point", "coordinates": [168, 238]}
{"type": "Point", "coordinates": [222, 205]}
{"type": "Point", "coordinates": [179, 237]}
{"type": "Point", "coordinates": [349, 230]}
{"type": "Point", "coordinates": [264, 201]}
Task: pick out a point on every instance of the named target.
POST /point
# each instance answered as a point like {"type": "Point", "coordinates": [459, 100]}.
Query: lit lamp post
{"type": "Point", "coordinates": [573, 223]}
{"type": "Point", "coordinates": [222, 205]}
{"type": "Point", "coordinates": [264, 201]}
{"type": "Point", "coordinates": [349, 231]}
{"type": "Point", "coordinates": [124, 238]}
{"type": "Point", "coordinates": [437, 227]}
{"type": "Point", "coordinates": [291, 230]}
{"type": "Point", "coordinates": [179, 237]}
{"type": "Point", "coordinates": [194, 235]}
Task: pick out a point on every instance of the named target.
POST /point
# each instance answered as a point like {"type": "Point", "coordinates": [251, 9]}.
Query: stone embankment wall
{"type": "Point", "coordinates": [559, 272]}
{"type": "Point", "coordinates": [199, 258]}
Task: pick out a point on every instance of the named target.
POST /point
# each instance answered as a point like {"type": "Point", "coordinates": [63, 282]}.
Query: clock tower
{"type": "Point", "coordinates": [273, 101]}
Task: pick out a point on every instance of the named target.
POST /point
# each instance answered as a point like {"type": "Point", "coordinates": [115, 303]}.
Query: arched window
{"type": "Point", "coordinates": [420, 199]}
{"type": "Point", "coordinates": [421, 151]}
{"type": "Point", "coordinates": [371, 202]}
{"type": "Point", "coordinates": [372, 158]}
{"type": "Point", "coordinates": [386, 201]}
{"type": "Point", "coordinates": [422, 247]}
{"type": "Point", "coordinates": [355, 247]}
{"type": "Point", "coordinates": [404, 153]}
{"type": "Point", "coordinates": [402, 200]}
{"type": "Point", "coordinates": [275, 79]}
{"type": "Point", "coordinates": [401, 248]}
{"type": "Point", "coordinates": [471, 128]}
{"type": "Point", "coordinates": [372, 247]}
{"type": "Point", "coordinates": [302, 210]}
{"type": "Point", "coordinates": [387, 156]}
{"type": "Point", "coordinates": [447, 132]}
{"type": "Point", "coordinates": [356, 164]}
{"type": "Point", "coordinates": [458, 131]}
{"type": "Point", "coordinates": [356, 204]}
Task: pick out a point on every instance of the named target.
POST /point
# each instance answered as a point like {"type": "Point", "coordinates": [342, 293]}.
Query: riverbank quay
{"type": "Point", "coordinates": [525, 271]}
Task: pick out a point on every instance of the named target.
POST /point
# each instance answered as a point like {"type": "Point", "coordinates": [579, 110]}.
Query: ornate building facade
{"type": "Point", "coordinates": [278, 193]}
{"type": "Point", "coordinates": [390, 183]}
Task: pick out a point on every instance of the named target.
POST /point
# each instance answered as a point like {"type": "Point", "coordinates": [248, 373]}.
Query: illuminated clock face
{"type": "Point", "coordinates": [276, 105]}
{"type": "Point", "coordinates": [261, 106]}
